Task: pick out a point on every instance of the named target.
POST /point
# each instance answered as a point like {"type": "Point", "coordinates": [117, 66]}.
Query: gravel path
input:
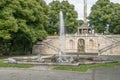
{"type": "Point", "coordinates": [46, 73]}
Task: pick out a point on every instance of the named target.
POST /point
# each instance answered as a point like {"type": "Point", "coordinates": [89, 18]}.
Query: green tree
{"type": "Point", "coordinates": [70, 17]}
{"type": "Point", "coordinates": [115, 20]}
{"type": "Point", "coordinates": [100, 16]}
{"type": "Point", "coordinates": [22, 23]}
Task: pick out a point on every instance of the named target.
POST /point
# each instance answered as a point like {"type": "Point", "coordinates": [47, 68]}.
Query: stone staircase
{"type": "Point", "coordinates": [113, 45]}
{"type": "Point", "coordinates": [110, 38]}
{"type": "Point", "coordinates": [51, 46]}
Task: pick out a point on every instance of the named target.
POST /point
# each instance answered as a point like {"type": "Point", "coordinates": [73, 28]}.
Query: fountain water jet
{"type": "Point", "coordinates": [61, 38]}
{"type": "Point", "coordinates": [61, 34]}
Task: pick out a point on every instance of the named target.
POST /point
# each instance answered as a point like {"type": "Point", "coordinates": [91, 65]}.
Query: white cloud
{"type": "Point", "coordinates": [79, 5]}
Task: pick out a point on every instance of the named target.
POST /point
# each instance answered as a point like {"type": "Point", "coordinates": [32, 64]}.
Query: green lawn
{"type": "Point", "coordinates": [84, 68]}
{"type": "Point", "coordinates": [6, 65]}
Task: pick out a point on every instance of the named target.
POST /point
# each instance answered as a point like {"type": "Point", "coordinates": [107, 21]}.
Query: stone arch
{"type": "Point", "coordinates": [71, 43]}
{"type": "Point", "coordinates": [81, 45]}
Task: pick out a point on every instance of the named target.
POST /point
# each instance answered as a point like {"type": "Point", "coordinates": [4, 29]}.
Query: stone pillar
{"type": "Point", "coordinates": [85, 11]}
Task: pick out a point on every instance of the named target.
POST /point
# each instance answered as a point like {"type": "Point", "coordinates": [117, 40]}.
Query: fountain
{"type": "Point", "coordinates": [61, 34]}
{"type": "Point", "coordinates": [61, 39]}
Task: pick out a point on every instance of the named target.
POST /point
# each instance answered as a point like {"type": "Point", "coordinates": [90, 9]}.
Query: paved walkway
{"type": "Point", "coordinates": [46, 73]}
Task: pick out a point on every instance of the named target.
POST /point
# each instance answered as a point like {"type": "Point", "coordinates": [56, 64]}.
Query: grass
{"type": "Point", "coordinates": [84, 68]}
{"type": "Point", "coordinates": [5, 65]}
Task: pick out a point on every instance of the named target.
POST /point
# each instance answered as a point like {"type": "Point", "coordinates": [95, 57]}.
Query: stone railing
{"type": "Point", "coordinates": [109, 47]}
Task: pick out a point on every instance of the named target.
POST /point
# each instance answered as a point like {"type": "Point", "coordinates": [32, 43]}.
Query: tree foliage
{"type": "Point", "coordinates": [100, 15]}
{"type": "Point", "coordinates": [115, 20]}
{"type": "Point", "coordinates": [70, 17]}
{"type": "Point", "coordinates": [22, 22]}
{"type": "Point", "coordinates": [104, 15]}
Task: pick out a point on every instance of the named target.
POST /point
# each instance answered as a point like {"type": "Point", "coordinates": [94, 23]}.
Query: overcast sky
{"type": "Point", "coordinates": [79, 5]}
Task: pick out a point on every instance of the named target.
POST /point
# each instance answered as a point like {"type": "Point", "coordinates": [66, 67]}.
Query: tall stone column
{"type": "Point", "coordinates": [85, 11]}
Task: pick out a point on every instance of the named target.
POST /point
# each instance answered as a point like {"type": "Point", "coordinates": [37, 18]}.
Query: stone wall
{"type": "Point", "coordinates": [90, 43]}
